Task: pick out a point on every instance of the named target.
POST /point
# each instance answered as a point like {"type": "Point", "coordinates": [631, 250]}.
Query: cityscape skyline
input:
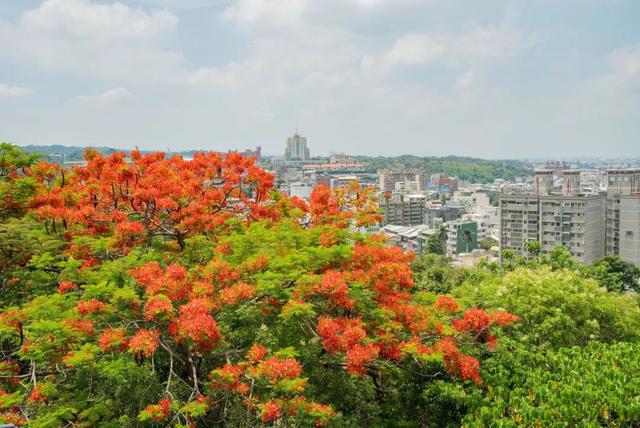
{"type": "Point", "coordinates": [499, 80]}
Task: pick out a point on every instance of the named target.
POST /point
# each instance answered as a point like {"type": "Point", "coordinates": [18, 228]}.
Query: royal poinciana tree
{"type": "Point", "coordinates": [193, 295]}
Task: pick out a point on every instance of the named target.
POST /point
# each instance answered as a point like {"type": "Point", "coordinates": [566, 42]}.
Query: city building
{"type": "Point", "coordinates": [444, 183]}
{"type": "Point", "coordinates": [257, 153]}
{"type": "Point", "coordinates": [339, 157]}
{"type": "Point", "coordinates": [445, 213]}
{"type": "Point", "coordinates": [403, 210]}
{"type": "Point", "coordinates": [410, 238]}
{"type": "Point", "coordinates": [300, 189]}
{"type": "Point", "coordinates": [340, 181]}
{"type": "Point", "coordinates": [571, 218]}
{"type": "Point", "coordinates": [462, 237]}
{"type": "Point", "coordinates": [623, 214]}
{"type": "Point", "coordinates": [389, 178]}
{"type": "Point", "coordinates": [297, 149]}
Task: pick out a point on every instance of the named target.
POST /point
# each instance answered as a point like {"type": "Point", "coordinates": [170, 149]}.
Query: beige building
{"type": "Point", "coordinates": [297, 149]}
{"type": "Point", "coordinates": [405, 179]}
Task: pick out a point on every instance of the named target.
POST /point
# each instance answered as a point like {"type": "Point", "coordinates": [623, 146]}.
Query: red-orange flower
{"type": "Point", "coordinates": [113, 339]}
{"type": "Point", "coordinates": [91, 307]}
{"type": "Point", "coordinates": [271, 410]}
{"type": "Point", "coordinates": [144, 341]}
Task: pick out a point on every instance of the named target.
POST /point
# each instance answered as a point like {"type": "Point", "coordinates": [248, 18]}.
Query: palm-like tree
{"type": "Point", "coordinates": [468, 238]}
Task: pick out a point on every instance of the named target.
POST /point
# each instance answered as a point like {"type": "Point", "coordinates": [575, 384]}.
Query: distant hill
{"type": "Point", "coordinates": [465, 168]}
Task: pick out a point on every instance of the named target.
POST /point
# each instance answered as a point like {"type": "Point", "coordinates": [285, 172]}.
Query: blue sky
{"type": "Point", "coordinates": [491, 78]}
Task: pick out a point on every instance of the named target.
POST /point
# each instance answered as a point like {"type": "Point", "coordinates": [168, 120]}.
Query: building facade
{"type": "Point", "coordinates": [403, 210]}
{"type": "Point", "coordinates": [388, 179]}
{"type": "Point", "coordinates": [623, 214]}
{"type": "Point", "coordinates": [296, 149]}
{"type": "Point", "coordinates": [462, 237]}
{"type": "Point", "coordinates": [574, 220]}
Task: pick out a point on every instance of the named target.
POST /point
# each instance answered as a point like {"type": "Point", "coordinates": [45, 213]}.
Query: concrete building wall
{"type": "Point", "coordinates": [623, 214]}
{"type": "Point", "coordinates": [577, 222]}
{"type": "Point", "coordinates": [518, 216]}
{"type": "Point", "coordinates": [403, 210]}
{"type": "Point", "coordinates": [629, 230]}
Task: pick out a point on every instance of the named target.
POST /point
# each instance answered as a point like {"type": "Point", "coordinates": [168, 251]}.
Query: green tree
{"type": "Point", "coordinates": [16, 188]}
{"type": "Point", "coordinates": [434, 273]}
{"type": "Point", "coordinates": [615, 274]}
{"type": "Point", "coordinates": [557, 308]}
{"type": "Point", "coordinates": [437, 243]}
{"type": "Point", "coordinates": [488, 243]}
{"type": "Point", "coordinates": [596, 385]}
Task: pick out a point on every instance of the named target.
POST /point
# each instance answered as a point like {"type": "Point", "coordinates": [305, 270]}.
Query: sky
{"type": "Point", "coordinates": [490, 78]}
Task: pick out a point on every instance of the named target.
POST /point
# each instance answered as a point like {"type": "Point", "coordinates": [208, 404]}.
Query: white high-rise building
{"type": "Point", "coordinates": [297, 149]}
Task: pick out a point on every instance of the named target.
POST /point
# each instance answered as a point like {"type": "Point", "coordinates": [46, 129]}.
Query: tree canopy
{"type": "Point", "coordinates": [188, 293]}
{"type": "Point", "coordinates": [150, 290]}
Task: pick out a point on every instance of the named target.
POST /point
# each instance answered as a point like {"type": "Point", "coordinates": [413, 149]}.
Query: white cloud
{"type": "Point", "coordinates": [477, 46]}
{"type": "Point", "coordinates": [110, 96]}
{"type": "Point", "coordinates": [109, 41]}
{"type": "Point", "coordinates": [271, 13]}
{"type": "Point", "coordinates": [624, 63]}
{"type": "Point", "coordinates": [258, 14]}
{"type": "Point", "coordinates": [466, 80]}
{"type": "Point", "coordinates": [14, 91]}
{"type": "Point", "coordinates": [98, 24]}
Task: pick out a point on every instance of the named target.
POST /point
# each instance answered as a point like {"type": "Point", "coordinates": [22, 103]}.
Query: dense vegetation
{"type": "Point", "coordinates": [164, 292]}
{"type": "Point", "coordinates": [472, 169]}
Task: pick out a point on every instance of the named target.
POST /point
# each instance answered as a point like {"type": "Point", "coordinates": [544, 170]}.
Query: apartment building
{"type": "Point", "coordinates": [403, 210]}
{"type": "Point", "coordinates": [570, 218]}
{"type": "Point", "coordinates": [389, 178]}
{"type": "Point", "coordinates": [623, 214]}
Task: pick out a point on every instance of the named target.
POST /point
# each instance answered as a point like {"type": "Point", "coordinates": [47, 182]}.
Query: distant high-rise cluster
{"type": "Point", "coordinates": [297, 149]}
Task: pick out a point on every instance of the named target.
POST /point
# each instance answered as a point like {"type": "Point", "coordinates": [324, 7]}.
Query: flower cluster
{"type": "Point", "coordinates": [144, 342]}
{"type": "Point", "coordinates": [90, 307]}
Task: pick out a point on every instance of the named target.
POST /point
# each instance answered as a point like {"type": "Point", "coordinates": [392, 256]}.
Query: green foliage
{"type": "Point", "coordinates": [434, 273]}
{"type": "Point", "coordinates": [488, 243]}
{"type": "Point", "coordinates": [595, 385]}
{"type": "Point", "coordinates": [30, 260]}
{"type": "Point", "coordinates": [615, 274]}
{"type": "Point", "coordinates": [437, 243]}
{"type": "Point", "coordinates": [557, 308]}
{"type": "Point", "coordinates": [16, 188]}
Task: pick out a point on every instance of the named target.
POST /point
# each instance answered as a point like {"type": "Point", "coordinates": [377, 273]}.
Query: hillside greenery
{"type": "Point", "coordinates": [465, 168]}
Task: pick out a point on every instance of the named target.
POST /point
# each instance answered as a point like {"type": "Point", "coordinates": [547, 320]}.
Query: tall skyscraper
{"type": "Point", "coordinates": [297, 149]}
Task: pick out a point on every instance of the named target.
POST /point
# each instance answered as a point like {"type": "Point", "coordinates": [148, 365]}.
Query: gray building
{"type": "Point", "coordinates": [572, 219]}
{"type": "Point", "coordinates": [623, 214]}
{"type": "Point", "coordinates": [445, 212]}
{"type": "Point", "coordinates": [403, 210]}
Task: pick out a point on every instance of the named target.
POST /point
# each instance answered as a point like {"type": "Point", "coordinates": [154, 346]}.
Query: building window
{"type": "Point", "coordinates": [629, 233]}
